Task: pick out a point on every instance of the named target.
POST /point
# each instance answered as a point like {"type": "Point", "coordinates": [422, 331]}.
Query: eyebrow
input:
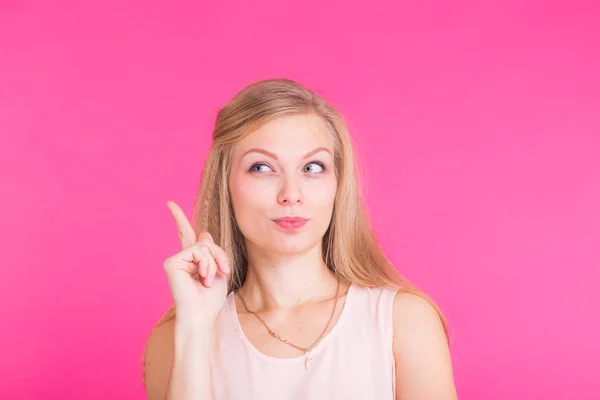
{"type": "Point", "coordinates": [272, 155]}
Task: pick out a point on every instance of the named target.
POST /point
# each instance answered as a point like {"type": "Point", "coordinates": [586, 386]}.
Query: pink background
{"type": "Point", "coordinates": [479, 132]}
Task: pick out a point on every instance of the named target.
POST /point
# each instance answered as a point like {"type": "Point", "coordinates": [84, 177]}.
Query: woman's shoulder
{"type": "Point", "coordinates": [413, 307]}
{"type": "Point", "coordinates": [402, 299]}
{"type": "Point", "coordinates": [402, 308]}
{"type": "Point", "coordinates": [380, 293]}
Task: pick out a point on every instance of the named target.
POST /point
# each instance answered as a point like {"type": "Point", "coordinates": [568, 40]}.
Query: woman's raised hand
{"type": "Point", "coordinates": [197, 274]}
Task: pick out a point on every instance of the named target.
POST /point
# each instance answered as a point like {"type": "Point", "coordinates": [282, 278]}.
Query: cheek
{"type": "Point", "coordinates": [248, 196]}
{"type": "Point", "coordinates": [323, 195]}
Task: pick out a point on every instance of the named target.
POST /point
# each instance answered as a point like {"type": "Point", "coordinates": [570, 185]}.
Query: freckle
{"type": "Point", "coordinates": [300, 328]}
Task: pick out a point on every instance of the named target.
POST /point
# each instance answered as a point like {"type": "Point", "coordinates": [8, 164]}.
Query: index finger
{"type": "Point", "coordinates": [187, 235]}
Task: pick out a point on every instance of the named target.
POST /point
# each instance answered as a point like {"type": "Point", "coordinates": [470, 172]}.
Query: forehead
{"type": "Point", "coordinates": [288, 135]}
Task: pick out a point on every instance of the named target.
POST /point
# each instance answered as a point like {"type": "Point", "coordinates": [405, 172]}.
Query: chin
{"type": "Point", "coordinates": [296, 245]}
{"type": "Point", "coordinates": [285, 244]}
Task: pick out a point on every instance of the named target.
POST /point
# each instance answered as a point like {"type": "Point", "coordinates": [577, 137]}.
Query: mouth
{"type": "Point", "coordinates": [291, 223]}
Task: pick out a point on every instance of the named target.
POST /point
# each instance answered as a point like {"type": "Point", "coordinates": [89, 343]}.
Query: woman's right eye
{"type": "Point", "coordinates": [253, 167]}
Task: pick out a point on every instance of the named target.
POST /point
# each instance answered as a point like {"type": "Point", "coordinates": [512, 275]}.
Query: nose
{"type": "Point", "coordinates": [290, 191]}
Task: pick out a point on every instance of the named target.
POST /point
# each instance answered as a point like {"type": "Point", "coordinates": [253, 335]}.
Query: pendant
{"type": "Point", "coordinates": [307, 359]}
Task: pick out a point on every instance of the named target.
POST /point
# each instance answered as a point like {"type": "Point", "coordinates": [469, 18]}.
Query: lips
{"type": "Point", "coordinates": [291, 222]}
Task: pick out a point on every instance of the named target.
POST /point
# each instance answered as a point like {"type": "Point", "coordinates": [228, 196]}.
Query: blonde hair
{"type": "Point", "coordinates": [350, 248]}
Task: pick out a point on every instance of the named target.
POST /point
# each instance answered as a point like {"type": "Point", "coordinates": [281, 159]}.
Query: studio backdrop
{"type": "Point", "coordinates": [477, 126]}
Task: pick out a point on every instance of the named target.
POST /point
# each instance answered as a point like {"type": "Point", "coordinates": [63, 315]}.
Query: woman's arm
{"type": "Point", "coordinates": [176, 362]}
{"type": "Point", "coordinates": [190, 376]}
{"type": "Point", "coordinates": [421, 353]}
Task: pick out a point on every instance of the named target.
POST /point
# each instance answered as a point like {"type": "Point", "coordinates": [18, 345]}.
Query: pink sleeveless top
{"type": "Point", "coordinates": [353, 361]}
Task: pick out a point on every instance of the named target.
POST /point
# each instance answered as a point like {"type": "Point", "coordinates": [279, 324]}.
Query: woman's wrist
{"type": "Point", "coordinates": [194, 325]}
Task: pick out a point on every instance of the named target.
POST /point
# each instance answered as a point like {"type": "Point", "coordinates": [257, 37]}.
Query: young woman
{"type": "Point", "coordinates": [281, 290]}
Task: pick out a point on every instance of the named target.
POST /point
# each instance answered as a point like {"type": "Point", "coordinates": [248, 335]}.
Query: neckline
{"type": "Point", "coordinates": [316, 350]}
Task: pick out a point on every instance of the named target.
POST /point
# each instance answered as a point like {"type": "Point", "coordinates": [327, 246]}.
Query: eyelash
{"type": "Point", "coordinates": [320, 164]}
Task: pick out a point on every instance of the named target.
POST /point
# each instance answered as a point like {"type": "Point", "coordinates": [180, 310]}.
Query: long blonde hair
{"type": "Point", "coordinates": [350, 248]}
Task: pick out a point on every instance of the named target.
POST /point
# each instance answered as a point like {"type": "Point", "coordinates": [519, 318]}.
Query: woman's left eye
{"type": "Point", "coordinates": [318, 164]}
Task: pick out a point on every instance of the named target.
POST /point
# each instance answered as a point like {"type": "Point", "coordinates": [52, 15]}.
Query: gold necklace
{"type": "Point", "coordinates": [306, 350]}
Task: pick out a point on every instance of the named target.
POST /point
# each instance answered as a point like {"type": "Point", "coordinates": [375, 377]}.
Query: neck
{"type": "Point", "coordinates": [286, 281]}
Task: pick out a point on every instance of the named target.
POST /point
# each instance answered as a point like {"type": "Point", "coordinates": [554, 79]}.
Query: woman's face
{"type": "Point", "coordinates": [284, 169]}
